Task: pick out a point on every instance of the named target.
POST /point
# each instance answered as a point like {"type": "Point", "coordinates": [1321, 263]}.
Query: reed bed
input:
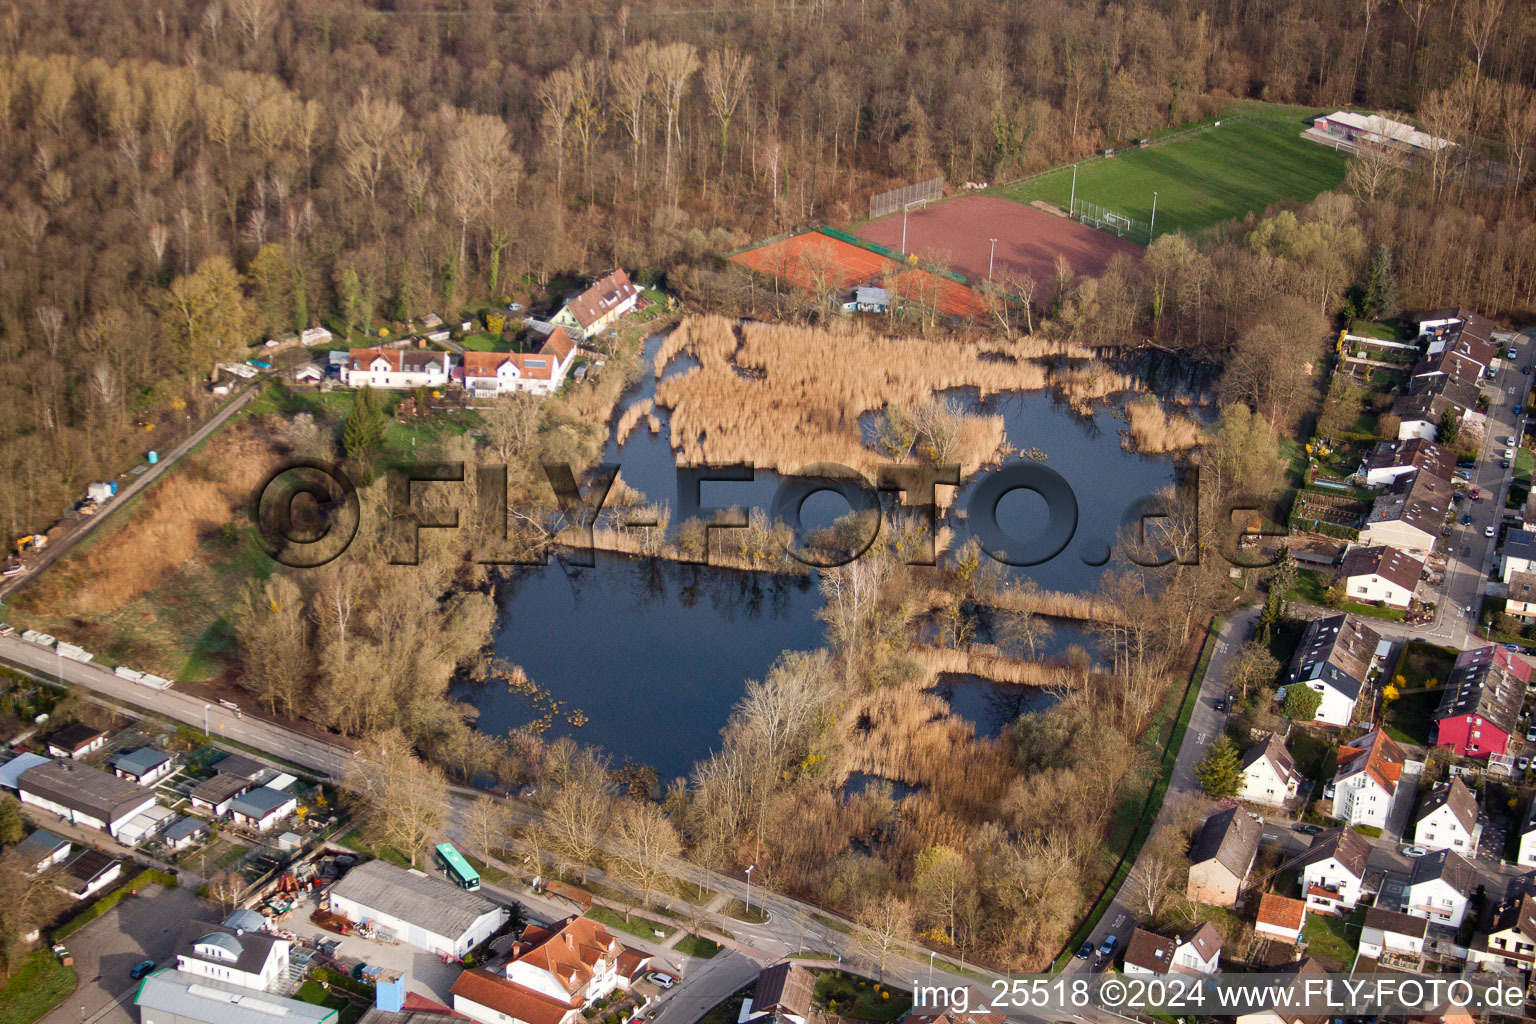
{"type": "Point", "coordinates": [1052, 604]}
{"type": "Point", "coordinates": [990, 663]}
{"type": "Point", "coordinates": [786, 397]}
{"type": "Point", "coordinates": [630, 418]}
{"type": "Point", "coordinates": [1154, 430]}
{"type": "Point", "coordinates": [1082, 386]}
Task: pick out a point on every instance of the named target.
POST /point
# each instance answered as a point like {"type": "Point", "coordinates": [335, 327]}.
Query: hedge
{"type": "Point", "coordinates": [336, 979]}
{"type": "Point", "coordinates": [111, 900]}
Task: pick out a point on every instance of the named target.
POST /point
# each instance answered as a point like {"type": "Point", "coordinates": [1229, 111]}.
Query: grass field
{"type": "Point", "coordinates": [38, 985]}
{"type": "Point", "coordinates": [1212, 176]}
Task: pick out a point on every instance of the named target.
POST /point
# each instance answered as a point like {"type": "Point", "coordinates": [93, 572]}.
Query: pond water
{"type": "Point", "coordinates": [987, 705]}
{"type": "Point", "coordinates": [654, 654]}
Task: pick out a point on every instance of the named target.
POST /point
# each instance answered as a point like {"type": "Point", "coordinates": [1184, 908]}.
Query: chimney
{"type": "Point", "coordinates": [570, 942]}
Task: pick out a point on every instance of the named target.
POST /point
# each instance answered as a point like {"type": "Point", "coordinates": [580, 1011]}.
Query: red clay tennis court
{"type": "Point", "coordinates": [804, 260]}
{"type": "Point", "coordinates": [1028, 240]}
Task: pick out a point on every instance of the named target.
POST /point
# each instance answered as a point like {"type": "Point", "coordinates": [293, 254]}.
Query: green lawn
{"type": "Point", "coordinates": [696, 945]}
{"type": "Point", "coordinates": [311, 992]}
{"type": "Point", "coordinates": [1424, 664]}
{"type": "Point", "coordinates": [1213, 176]}
{"type": "Point", "coordinates": [38, 985]}
{"type": "Point", "coordinates": [1332, 938]}
{"type": "Point", "coordinates": [484, 341]}
{"type": "Point", "coordinates": [740, 912]}
{"type": "Point", "coordinates": [1395, 330]}
{"type": "Point", "coordinates": [858, 997]}
{"type": "Point", "coordinates": [636, 925]}
{"type": "Point", "coordinates": [354, 841]}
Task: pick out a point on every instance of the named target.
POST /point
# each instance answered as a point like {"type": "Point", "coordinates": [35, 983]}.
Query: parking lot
{"type": "Point", "coordinates": [141, 927]}
{"type": "Point", "coordinates": [424, 972]}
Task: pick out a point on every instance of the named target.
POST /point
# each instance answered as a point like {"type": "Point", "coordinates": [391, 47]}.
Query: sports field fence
{"type": "Point", "coordinates": [1112, 221]}
{"type": "Point", "coordinates": [898, 198]}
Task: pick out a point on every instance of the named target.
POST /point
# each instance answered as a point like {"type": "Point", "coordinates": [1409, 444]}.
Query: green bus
{"type": "Point", "coordinates": [458, 869]}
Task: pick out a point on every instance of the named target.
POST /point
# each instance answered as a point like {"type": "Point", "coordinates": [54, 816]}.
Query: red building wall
{"type": "Point", "coordinates": [1456, 733]}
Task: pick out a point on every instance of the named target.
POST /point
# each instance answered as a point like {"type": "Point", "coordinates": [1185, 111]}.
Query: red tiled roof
{"type": "Point", "coordinates": [1383, 760]}
{"type": "Point", "coordinates": [604, 294]}
{"type": "Point", "coordinates": [481, 986]}
{"type": "Point", "coordinates": [1281, 911]}
{"type": "Point", "coordinates": [570, 952]}
{"type": "Point", "coordinates": [539, 365]}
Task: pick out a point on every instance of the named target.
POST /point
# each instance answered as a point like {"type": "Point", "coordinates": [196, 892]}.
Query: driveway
{"type": "Point", "coordinates": [141, 927]}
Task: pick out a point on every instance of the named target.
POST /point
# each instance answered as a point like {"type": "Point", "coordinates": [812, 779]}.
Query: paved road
{"type": "Point", "coordinates": [51, 554]}
{"type": "Point", "coordinates": [1205, 724]}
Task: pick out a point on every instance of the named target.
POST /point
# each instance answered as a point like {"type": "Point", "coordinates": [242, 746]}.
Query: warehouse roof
{"type": "Point", "coordinates": [10, 772]}
{"type": "Point", "coordinates": [190, 997]}
{"type": "Point", "coordinates": [84, 789]}
{"type": "Point", "coordinates": [427, 903]}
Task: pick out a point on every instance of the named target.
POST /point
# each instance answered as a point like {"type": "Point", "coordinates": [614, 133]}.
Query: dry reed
{"type": "Point", "coordinates": [1153, 429]}
{"type": "Point", "coordinates": [631, 417]}
{"type": "Point", "coordinates": [1082, 386]}
{"type": "Point", "coordinates": [988, 662]}
{"type": "Point", "coordinates": [786, 397]}
{"type": "Point", "coordinates": [1052, 604]}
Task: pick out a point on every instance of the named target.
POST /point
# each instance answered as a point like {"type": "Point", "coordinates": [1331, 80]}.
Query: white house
{"type": "Point", "coordinates": [1440, 886]}
{"type": "Point", "coordinates": [1269, 773]}
{"type": "Point", "coordinates": [487, 374]}
{"type": "Point", "coordinates": [1335, 658]}
{"type": "Point", "coordinates": [594, 310]}
{"type": "Point", "coordinates": [554, 973]}
{"type": "Point", "coordinates": [1305, 975]}
{"type": "Point", "coordinates": [235, 955]}
{"type": "Point", "coordinates": [1511, 936]}
{"type": "Point", "coordinates": [1387, 934]}
{"type": "Point", "coordinates": [395, 368]}
{"type": "Point", "coordinates": [1365, 784]}
{"type": "Point", "coordinates": [88, 873]}
{"type": "Point", "coordinates": [1381, 574]}
{"type": "Point", "coordinates": [1526, 856]}
{"type": "Point", "coordinates": [1518, 554]}
{"type": "Point", "coordinates": [1280, 917]}
{"type": "Point", "coordinates": [1447, 819]}
{"type": "Point", "coordinates": [262, 808]}
{"type": "Point", "coordinates": [421, 911]}
{"type": "Point", "coordinates": [1333, 870]}
{"type": "Point", "coordinates": [146, 765]}
{"type": "Point", "coordinates": [84, 795]}
{"type": "Point", "coordinates": [1389, 460]}
{"type": "Point", "coordinates": [1409, 516]}
{"type": "Point", "coordinates": [1198, 952]}
{"type": "Point", "coordinates": [42, 850]}
{"type": "Point", "coordinates": [76, 740]}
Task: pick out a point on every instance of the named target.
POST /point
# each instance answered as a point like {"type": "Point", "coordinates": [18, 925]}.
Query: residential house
{"type": "Point", "coordinates": [1198, 952]}
{"type": "Point", "coordinates": [260, 809]}
{"type": "Point", "coordinates": [1479, 712]}
{"type": "Point", "coordinates": [1280, 917]}
{"type": "Point", "coordinates": [1392, 939]}
{"type": "Point", "coordinates": [311, 336]}
{"type": "Point", "coordinates": [782, 995]}
{"type": "Point", "coordinates": [174, 997]}
{"type": "Point", "coordinates": [1409, 516]}
{"type": "Point", "coordinates": [76, 740]}
{"type": "Point", "coordinates": [1526, 855]}
{"type": "Point", "coordinates": [487, 374]}
{"type": "Point", "coordinates": [1520, 595]}
{"type": "Point", "coordinates": [1428, 399]}
{"type": "Point", "coordinates": [1269, 773]}
{"type": "Point", "coordinates": [555, 972]}
{"type": "Point", "coordinates": [41, 850]}
{"type": "Point", "coordinates": [1447, 819]}
{"type": "Point", "coordinates": [146, 765]}
{"type": "Point", "coordinates": [1149, 953]}
{"type": "Point", "coordinates": [145, 825]}
{"type": "Point", "coordinates": [1511, 936]}
{"type": "Point", "coordinates": [217, 793]}
{"type": "Point", "coordinates": [1336, 658]}
{"type": "Point", "coordinates": [959, 1014]}
{"type": "Point", "coordinates": [233, 953]}
{"type": "Point", "coordinates": [1389, 460]}
{"type": "Point", "coordinates": [1440, 886]}
{"type": "Point", "coordinates": [89, 872]}
{"type": "Point", "coordinates": [1222, 855]}
{"type": "Point", "coordinates": [1381, 574]}
{"type": "Point", "coordinates": [84, 795]}
{"type": "Point", "coordinates": [1518, 554]}
{"type": "Point", "coordinates": [594, 310]}
{"type": "Point", "coordinates": [419, 910]}
{"type": "Point", "coordinates": [184, 833]}
{"type": "Point", "coordinates": [245, 767]}
{"type": "Point", "coordinates": [395, 368]}
{"type": "Point", "coordinates": [1333, 870]}
{"type": "Point", "coordinates": [1304, 972]}
{"type": "Point", "coordinates": [1465, 360]}
{"type": "Point", "coordinates": [1365, 783]}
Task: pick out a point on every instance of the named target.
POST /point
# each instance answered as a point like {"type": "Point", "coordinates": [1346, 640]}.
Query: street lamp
{"type": "Point", "coordinates": [990, 254]}
{"type": "Point", "coordinates": [749, 887]}
{"type": "Point", "coordinates": [904, 209]}
{"type": "Point", "coordinates": [205, 718]}
{"type": "Point", "coordinates": [1153, 225]}
{"type": "Point", "coordinates": [931, 955]}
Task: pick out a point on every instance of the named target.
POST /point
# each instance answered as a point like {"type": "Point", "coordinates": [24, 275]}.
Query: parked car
{"type": "Point", "coordinates": [1530, 734]}
{"type": "Point", "coordinates": [1221, 703]}
{"type": "Point", "coordinates": [1108, 946]}
{"type": "Point", "coordinates": [1513, 354]}
{"type": "Point", "coordinates": [1414, 851]}
{"type": "Point", "coordinates": [1525, 370]}
{"type": "Point", "coordinates": [1509, 453]}
{"type": "Point", "coordinates": [1309, 830]}
{"type": "Point", "coordinates": [1503, 463]}
{"type": "Point", "coordinates": [1519, 409]}
{"type": "Point", "coordinates": [6, 629]}
{"type": "Point", "coordinates": [1477, 493]}
{"type": "Point", "coordinates": [140, 969]}
{"type": "Point", "coordinates": [661, 981]}
{"type": "Point", "coordinates": [1487, 531]}
{"type": "Point", "coordinates": [1466, 520]}
{"type": "Point", "coordinates": [1523, 763]}
{"type": "Point", "coordinates": [1085, 951]}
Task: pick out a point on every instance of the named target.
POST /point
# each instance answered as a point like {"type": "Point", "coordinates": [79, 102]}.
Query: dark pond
{"type": "Point", "coordinates": [989, 706]}
{"type": "Point", "coordinates": [655, 654]}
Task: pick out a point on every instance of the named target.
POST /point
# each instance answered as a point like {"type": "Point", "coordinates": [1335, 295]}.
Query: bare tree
{"type": "Point", "coordinates": [486, 821]}
{"type": "Point", "coordinates": [1480, 24]}
{"type": "Point", "coordinates": [367, 134]}
{"type": "Point", "coordinates": [557, 96]}
{"type": "Point", "coordinates": [727, 76]}
{"type": "Point", "coordinates": [888, 922]}
{"type": "Point", "coordinates": [579, 802]}
{"type": "Point", "coordinates": [676, 63]}
{"type": "Point", "coordinates": [633, 80]}
{"type": "Point", "coordinates": [480, 170]}
{"type": "Point", "coordinates": [645, 842]}
{"type": "Point", "coordinates": [407, 799]}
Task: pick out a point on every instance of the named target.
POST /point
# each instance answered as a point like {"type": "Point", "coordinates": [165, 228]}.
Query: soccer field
{"type": "Point", "coordinates": [1215, 175]}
